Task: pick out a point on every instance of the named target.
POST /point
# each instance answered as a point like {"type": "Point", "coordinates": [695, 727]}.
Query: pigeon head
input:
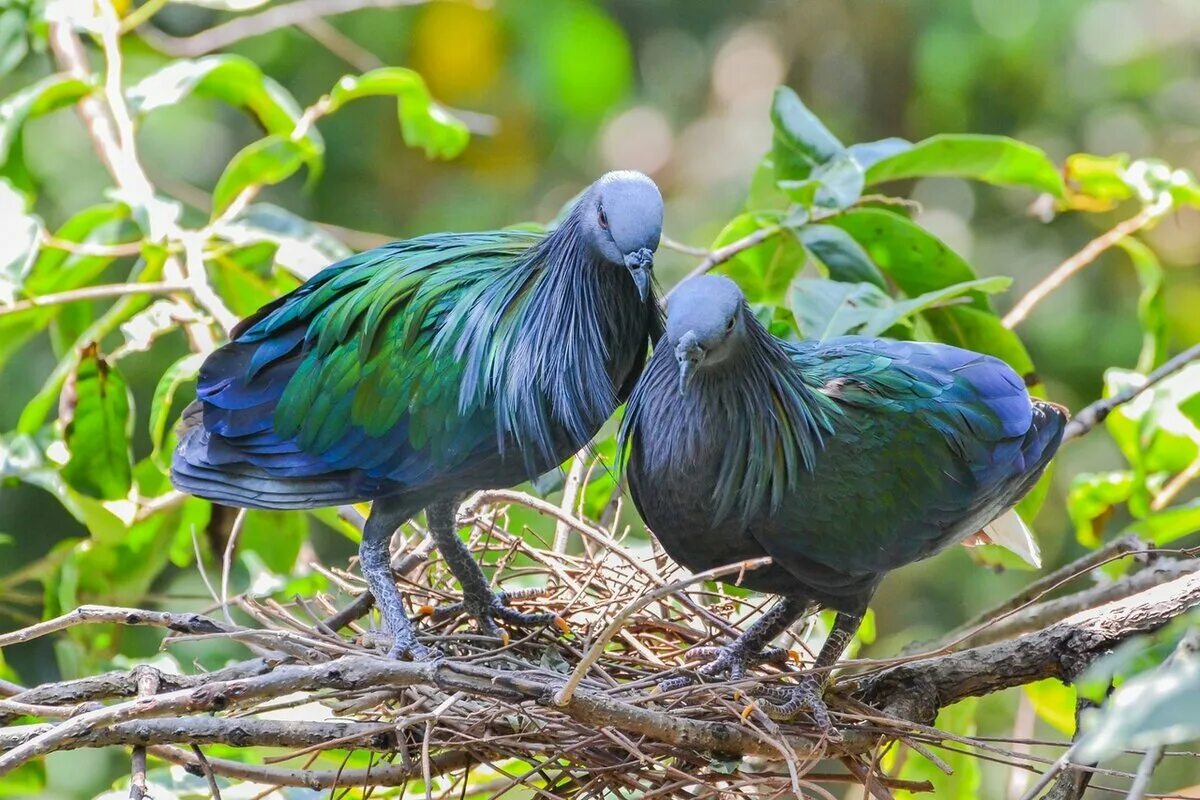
{"type": "Point", "coordinates": [705, 322]}
{"type": "Point", "coordinates": [621, 217]}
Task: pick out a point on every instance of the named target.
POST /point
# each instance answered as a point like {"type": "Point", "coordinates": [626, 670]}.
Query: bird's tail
{"type": "Point", "coordinates": [242, 484]}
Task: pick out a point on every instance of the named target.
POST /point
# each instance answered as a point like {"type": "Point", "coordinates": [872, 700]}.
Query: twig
{"type": "Point", "coordinates": [571, 488]}
{"type": "Point", "coordinates": [1092, 415]}
{"type": "Point", "coordinates": [1086, 255]}
{"type": "Point", "coordinates": [147, 681]}
{"type": "Point", "coordinates": [1048, 582]}
{"type": "Point", "coordinates": [227, 561]}
{"type": "Point", "coordinates": [1176, 485]}
{"type": "Point", "coordinates": [563, 696]}
{"type": "Point", "coordinates": [1141, 781]}
{"type": "Point", "coordinates": [723, 254]}
{"type": "Point", "coordinates": [209, 775]}
{"type": "Point", "coordinates": [219, 37]}
{"type": "Point", "coordinates": [687, 249]}
{"type": "Point", "coordinates": [181, 623]}
{"type": "Point", "coordinates": [93, 293]}
{"type": "Point", "coordinates": [317, 780]}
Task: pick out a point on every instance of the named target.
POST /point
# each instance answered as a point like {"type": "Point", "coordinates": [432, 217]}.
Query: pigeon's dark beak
{"type": "Point", "coordinates": [640, 263]}
{"type": "Point", "coordinates": [689, 353]}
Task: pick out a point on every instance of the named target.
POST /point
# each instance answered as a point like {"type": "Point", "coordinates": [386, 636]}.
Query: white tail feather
{"type": "Point", "coordinates": [1009, 531]}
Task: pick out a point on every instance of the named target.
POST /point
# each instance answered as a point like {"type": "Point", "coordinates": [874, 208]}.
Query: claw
{"type": "Point", "coordinates": [748, 710]}
{"type": "Point", "coordinates": [504, 638]}
{"type": "Point", "coordinates": [562, 625]}
{"type": "Point", "coordinates": [794, 656]}
{"type": "Point", "coordinates": [784, 704]}
{"type": "Point", "coordinates": [426, 610]}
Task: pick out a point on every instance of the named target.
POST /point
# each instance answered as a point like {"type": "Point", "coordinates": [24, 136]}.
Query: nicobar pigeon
{"type": "Point", "coordinates": [420, 371]}
{"type": "Point", "coordinates": [841, 460]}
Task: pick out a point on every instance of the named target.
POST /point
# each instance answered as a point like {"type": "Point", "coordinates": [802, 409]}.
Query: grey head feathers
{"type": "Point", "coordinates": [718, 369]}
{"type": "Point", "coordinates": [620, 217]}
{"type": "Point", "coordinates": [705, 323]}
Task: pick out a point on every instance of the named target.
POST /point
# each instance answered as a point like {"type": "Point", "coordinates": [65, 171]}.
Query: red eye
{"type": "Point", "coordinates": [603, 219]}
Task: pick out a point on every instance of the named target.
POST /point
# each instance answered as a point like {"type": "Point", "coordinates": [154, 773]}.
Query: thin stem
{"type": "Point", "coordinates": [723, 254]}
{"type": "Point", "coordinates": [1092, 415]}
{"type": "Point", "coordinates": [93, 293]}
{"type": "Point", "coordinates": [1086, 255]}
{"type": "Point", "coordinates": [142, 14]}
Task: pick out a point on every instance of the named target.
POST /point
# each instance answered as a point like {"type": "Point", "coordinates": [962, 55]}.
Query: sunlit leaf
{"type": "Point", "coordinates": [423, 122]}
{"type": "Point", "coordinates": [1054, 703]}
{"type": "Point", "coordinates": [276, 537]}
{"type": "Point", "coordinates": [765, 270]}
{"type": "Point", "coordinates": [1152, 303]}
{"type": "Point", "coordinates": [1165, 526]}
{"type": "Point", "coordinates": [992, 159]}
{"type": "Point", "coordinates": [95, 416]}
{"type": "Point", "coordinates": [13, 43]}
{"type": "Point", "coordinates": [46, 95]}
{"type": "Point", "coordinates": [231, 79]}
{"type": "Point", "coordinates": [966, 780]}
{"type": "Point", "coordinates": [302, 247]}
{"type": "Point", "coordinates": [57, 270]}
{"type": "Point", "coordinates": [913, 257]}
{"type": "Point", "coordinates": [903, 309]}
{"type": "Point", "coordinates": [20, 232]}
{"type": "Point", "coordinates": [1091, 500]}
{"type": "Point", "coordinates": [268, 161]}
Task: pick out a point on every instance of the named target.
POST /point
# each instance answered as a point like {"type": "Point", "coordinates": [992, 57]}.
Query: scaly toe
{"type": "Point", "coordinates": [785, 703]}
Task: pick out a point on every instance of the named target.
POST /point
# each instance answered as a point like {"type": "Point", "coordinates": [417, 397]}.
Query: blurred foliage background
{"type": "Point", "coordinates": [556, 93]}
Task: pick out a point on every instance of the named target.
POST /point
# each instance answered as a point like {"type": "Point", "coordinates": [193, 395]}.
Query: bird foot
{"type": "Point", "coordinates": [785, 702]}
{"type": "Point", "coordinates": [493, 607]}
{"type": "Point", "coordinates": [409, 646]}
{"type": "Point", "coordinates": [732, 660]}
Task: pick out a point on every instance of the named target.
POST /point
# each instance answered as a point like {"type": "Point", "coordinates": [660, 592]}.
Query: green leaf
{"type": "Point", "coordinates": [868, 154]}
{"type": "Point", "coordinates": [992, 159]}
{"type": "Point", "coordinates": [801, 141]}
{"type": "Point", "coordinates": [836, 184]}
{"type": "Point", "coordinates": [46, 95]}
{"type": "Point", "coordinates": [20, 234]}
{"type": "Point", "coordinates": [825, 309]}
{"type": "Point", "coordinates": [96, 420]}
{"type": "Point", "coordinates": [765, 270]}
{"type": "Point", "coordinates": [1165, 526]}
{"type": "Point", "coordinates": [915, 259]}
{"type": "Point", "coordinates": [58, 270]}
{"type": "Point", "coordinates": [765, 194]}
{"type": "Point", "coordinates": [1100, 179]}
{"type": "Point", "coordinates": [234, 80]}
{"type": "Point", "coordinates": [179, 373]}
{"type": "Point", "coordinates": [423, 123]}
{"type": "Point", "coordinates": [982, 331]}
{"type": "Point", "coordinates": [1091, 499]}
{"type": "Point", "coordinates": [1054, 703]}
{"type": "Point", "coordinates": [276, 537]}
{"type": "Point", "coordinates": [303, 248]}
{"type": "Point", "coordinates": [13, 44]}
{"type": "Point", "coordinates": [966, 780]}
{"type": "Point", "coordinates": [1152, 431]}
{"type": "Point", "coordinates": [268, 161]}
{"type": "Point", "coordinates": [1152, 303]}
{"type": "Point", "coordinates": [843, 258]}
{"type": "Point", "coordinates": [903, 309]}
{"type": "Point", "coordinates": [1152, 709]}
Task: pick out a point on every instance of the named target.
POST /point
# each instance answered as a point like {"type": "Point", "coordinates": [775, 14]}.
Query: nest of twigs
{"type": "Point", "coordinates": [576, 714]}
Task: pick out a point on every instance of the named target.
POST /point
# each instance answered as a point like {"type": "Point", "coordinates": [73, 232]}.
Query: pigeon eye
{"type": "Point", "coordinates": [603, 219]}
{"type": "Point", "coordinates": [729, 325]}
